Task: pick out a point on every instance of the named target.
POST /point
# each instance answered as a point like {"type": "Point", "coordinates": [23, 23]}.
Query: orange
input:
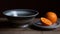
{"type": "Point", "coordinates": [45, 21]}
{"type": "Point", "coordinates": [51, 16]}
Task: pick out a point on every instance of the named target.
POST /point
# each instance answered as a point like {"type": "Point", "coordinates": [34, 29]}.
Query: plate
{"type": "Point", "coordinates": [39, 24]}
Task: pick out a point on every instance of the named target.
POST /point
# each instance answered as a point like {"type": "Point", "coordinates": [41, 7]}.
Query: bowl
{"type": "Point", "coordinates": [20, 16]}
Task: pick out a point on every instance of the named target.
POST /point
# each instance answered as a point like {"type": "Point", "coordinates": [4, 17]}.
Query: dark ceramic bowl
{"type": "Point", "coordinates": [20, 16]}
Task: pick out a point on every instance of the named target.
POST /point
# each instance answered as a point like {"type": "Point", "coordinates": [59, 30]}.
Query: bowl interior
{"type": "Point", "coordinates": [19, 13]}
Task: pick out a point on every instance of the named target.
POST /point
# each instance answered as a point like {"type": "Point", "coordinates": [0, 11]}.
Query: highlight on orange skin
{"type": "Point", "coordinates": [51, 16]}
{"type": "Point", "coordinates": [45, 21]}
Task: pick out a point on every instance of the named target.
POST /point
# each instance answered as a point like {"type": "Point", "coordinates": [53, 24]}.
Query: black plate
{"type": "Point", "coordinates": [54, 26]}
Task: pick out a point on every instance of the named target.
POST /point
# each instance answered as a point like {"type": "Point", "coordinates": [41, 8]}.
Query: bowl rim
{"type": "Point", "coordinates": [21, 9]}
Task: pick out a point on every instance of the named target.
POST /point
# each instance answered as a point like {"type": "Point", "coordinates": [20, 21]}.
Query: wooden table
{"type": "Point", "coordinates": [18, 30]}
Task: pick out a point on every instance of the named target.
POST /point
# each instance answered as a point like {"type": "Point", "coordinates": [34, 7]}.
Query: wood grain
{"type": "Point", "coordinates": [27, 30]}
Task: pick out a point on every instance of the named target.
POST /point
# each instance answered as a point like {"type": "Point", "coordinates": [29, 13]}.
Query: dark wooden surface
{"type": "Point", "coordinates": [17, 30]}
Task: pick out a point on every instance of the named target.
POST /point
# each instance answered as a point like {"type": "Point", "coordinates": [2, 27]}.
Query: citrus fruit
{"type": "Point", "coordinates": [45, 21]}
{"type": "Point", "coordinates": [51, 16]}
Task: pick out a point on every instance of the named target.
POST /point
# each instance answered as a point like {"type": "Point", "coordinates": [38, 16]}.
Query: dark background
{"type": "Point", "coordinates": [42, 6]}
